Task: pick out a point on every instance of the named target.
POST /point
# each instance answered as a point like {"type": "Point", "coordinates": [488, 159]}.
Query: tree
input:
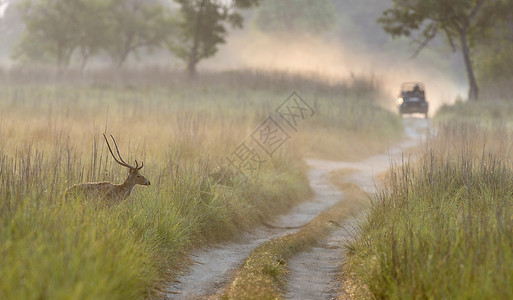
{"type": "Point", "coordinates": [50, 32]}
{"type": "Point", "coordinates": [56, 30]}
{"type": "Point", "coordinates": [202, 28]}
{"type": "Point", "coordinates": [296, 16]}
{"type": "Point", "coordinates": [135, 24]}
{"type": "Point", "coordinates": [91, 35]}
{"type": "Point", "coordinates": [462, 21]}
{"type": "Point", "coordinates": [494, 50]}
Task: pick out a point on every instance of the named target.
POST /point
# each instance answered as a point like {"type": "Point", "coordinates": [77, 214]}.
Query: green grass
{"type": "Point", "coordinates": [482, 112]}
{"type": "Point", "coordinates": [442, 228]}
{"type": "Point", "coordinates": [50, 139]}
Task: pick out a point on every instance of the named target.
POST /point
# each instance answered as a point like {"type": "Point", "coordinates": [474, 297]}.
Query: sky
{"type": "Point", "coordinates": [3, 7]}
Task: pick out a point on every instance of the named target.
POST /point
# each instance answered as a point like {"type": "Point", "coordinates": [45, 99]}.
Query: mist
{"type": "Point", "coordinates": [355, 47]}
{"type": "Point", "coordinates": [269, 150]}
{"type": "Point", "coordinates": [335, 61]}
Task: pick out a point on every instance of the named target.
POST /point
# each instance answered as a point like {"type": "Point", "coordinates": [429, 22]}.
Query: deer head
{"type": "Point", "coordinates": [134, 177]}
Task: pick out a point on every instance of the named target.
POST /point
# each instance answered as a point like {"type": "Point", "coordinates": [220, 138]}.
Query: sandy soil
{"type": "Point", "coordinates": [312, 273]}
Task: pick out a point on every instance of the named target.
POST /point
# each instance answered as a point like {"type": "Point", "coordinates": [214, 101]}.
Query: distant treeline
{"type": "Point", "coordinates": [67, 32]}
{"type": "Point", "coordinates": [59, 31]}
{"type": "Point", "coordinates": [469, 26]}
{"type": "Point", "coordinates": [72, 32]}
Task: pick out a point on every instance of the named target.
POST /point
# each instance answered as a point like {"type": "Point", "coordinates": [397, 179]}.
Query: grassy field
{"type": "Point", "coordinates": [50, 139]}
{"type": "Point", "coordinates": [442, 228]}
{"type": "Point", "coordinates": [481, 112]}
{"type": "Point", "coordinates": [494, 106]}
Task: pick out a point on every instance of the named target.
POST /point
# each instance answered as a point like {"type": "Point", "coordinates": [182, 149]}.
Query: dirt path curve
{"type": "Point", "coordinates": [215, 267]}
{"type": "Point", "coordinates": [313, 274]}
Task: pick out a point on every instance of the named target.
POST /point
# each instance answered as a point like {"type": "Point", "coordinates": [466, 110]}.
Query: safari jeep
{"type": "Point", "coordinates": [412, 99]}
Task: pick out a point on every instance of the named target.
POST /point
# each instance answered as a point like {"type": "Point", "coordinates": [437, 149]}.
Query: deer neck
{"type": "Point", "coordinates": [127, 187]}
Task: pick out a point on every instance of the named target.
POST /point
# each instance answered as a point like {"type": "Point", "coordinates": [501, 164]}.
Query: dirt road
{"type": "Point", "coordinates": [214, 267]}
{"type": "Point", "coordinates": [312, 274]}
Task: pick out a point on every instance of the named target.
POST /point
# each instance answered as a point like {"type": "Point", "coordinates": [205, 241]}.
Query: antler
{"type": "Point", "coordinates": [137, 165]}
{"type": "Point", "coordinates": [121, 161]}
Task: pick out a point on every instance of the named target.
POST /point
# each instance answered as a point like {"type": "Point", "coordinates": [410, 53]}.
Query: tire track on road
{"type": "Point", "coordinates": [314, 273]}
{"type": "Point", "coordinates": [214, 267]}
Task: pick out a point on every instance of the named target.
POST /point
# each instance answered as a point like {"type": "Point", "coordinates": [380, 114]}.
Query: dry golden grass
{"type": "Point", "coordinates": [50, 139]}
{"type": "Point", "coordinates": [441, 224]}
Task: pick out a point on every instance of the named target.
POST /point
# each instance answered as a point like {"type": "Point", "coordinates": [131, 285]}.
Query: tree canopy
{"type": "Point", "coordinates": [51, 30]}
{"type": "Point", "coordinates": [461, 21]}
{"type": "Point", "coordinates": [134, 24]}
{"type": "Point", "coordinates": [61, 31]}
{"type": "Point", "coordinates": [495, 61]}
{"type": "Point", "coordinates": [296, 16]}
{"type": "Point", "coordinates": [58, 29]}
{"type": "Point", "coordinates": [202, 27]}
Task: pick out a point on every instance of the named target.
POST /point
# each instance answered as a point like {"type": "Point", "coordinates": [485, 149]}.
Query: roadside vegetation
{"type": "Point", "coordinates": [496, 107]}
{"type": "Point", "coordinates": [442, 227]}
{"type": "Point", "coordinates": [484, 112]}
{"type": "Point", "coordinates": [50, 139]}
{"type": "Point", "coordinates": [263, 274]}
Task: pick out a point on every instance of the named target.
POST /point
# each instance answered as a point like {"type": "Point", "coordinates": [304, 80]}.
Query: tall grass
{"type": "Point", "coordinates": [50, 139]}
{"type": "Point", "coordinates": [483, 112]}
{"type": "Point", "coordinates": [443, 228]}
{"type": "Point", "coordinates": [494, 105]}
{"type": "Point", "coordinates": [54, 249]}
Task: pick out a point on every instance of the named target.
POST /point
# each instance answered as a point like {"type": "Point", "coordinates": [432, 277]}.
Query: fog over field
{"type": "Point", "coordinates": [355, 46]}
{"type": "Point", "coordinates": [334, 60]}
{"type": "Point", "coordinates": [256, 149]}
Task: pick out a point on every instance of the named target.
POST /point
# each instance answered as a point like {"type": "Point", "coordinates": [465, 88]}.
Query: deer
{"type": "Point", "coordinates": [107, 191]}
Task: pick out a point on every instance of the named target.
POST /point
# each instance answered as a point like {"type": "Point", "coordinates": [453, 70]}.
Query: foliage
{"type": "Point", "coordinates": [134, 24]}
{"type": "Point", "coordinates": [296, 16]}
{"type": "Point", "coordinates": [57, 29]}
{"type": "Point", "coordinates": [202, 28]}
{"type": "Point", "coordinates": [461, 21]}
{"type": "Point", "coordinates": [494, 62]}
{"type": "Point", "coordinates": [51, 31]}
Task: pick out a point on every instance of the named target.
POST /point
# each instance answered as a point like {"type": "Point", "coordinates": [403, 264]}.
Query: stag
{"type": "Point", "coordinates": [108, 191]}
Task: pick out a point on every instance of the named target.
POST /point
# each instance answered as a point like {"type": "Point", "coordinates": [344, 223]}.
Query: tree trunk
{"type": "Point", "coordinates": [85, 59]}
{"type": "Point", "coordinates": [191, 68]}
{"type": "Point", "coordinates": [60, 57]}
{"type": "Point", "coordinates": [121, 59]}
{"type": "Point", "coordinates": [473, 89]}
{"type": "Point", "coordinates": [193, 55]}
